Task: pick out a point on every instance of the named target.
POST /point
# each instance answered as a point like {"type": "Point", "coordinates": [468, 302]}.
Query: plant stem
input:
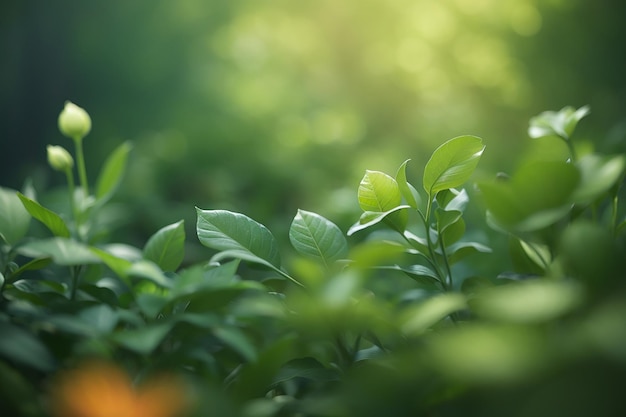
{"type": "Point", "coordinates": [75, 275]}
{"type": "Point", "coordinates": [82, 172]}
{"type": "Point", "coordinates": [72, 189]}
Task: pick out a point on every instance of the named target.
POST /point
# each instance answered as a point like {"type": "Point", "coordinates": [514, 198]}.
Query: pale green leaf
{"type": "Point", "coordinates": [410, 194]}
{"type": "Point", "coordinates": [63, 251]}
{"type": "Point", "coordinates": [452, 164]}
{"type": "Point", "coordinates": [14, 219]}
{"type": "Point", "coordinates": [378, 192]}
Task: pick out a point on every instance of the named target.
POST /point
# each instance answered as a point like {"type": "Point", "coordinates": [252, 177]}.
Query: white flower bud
{"type": "Point", "coordinates": [74, 121]}
{"type": "Point", "coordinates": [59, 158]}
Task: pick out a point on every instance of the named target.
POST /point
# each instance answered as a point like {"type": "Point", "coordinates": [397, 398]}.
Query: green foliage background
{"type": "Point", "coordinates": [267, 107]}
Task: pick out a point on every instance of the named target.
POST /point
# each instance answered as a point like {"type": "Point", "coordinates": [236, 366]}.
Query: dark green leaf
{"type": "Point", "coordinates": [452, 164]}
{"type": "Point", "coordinates": [237, 340]}
{"type": "Point", "coordinates": [144, 339]}
{"type": "Point", "coordinates": [50, 219]}
{"type": "Point", "coordinates": [166, 247]}
{"type": "Point", "coordinates": [16, 344]}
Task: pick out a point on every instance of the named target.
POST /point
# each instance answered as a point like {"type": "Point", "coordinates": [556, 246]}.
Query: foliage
{"type": "Point", "coordinates": [400, 322]}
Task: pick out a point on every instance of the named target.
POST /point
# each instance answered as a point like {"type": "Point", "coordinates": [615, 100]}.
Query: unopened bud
{"type": "Point", "coordinates": [74, 121]}
{"type": "Point", "coordinates": [59, 158]}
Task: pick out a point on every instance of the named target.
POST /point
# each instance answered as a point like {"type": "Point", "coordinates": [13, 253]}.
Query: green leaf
{"type": "Point", "coordinates": [16, 344]}
{"type": "Point", "coordinates": [237, 340]}
{"type": "Point", "coordinates": [423, 275]}
{"type": "Point", "coordinates": [453, 199]}
{"type": "Point", "coordinates": [452, 164]}
{"type": "Point", "coordinates": [461, 250]}
{"type": "Point", "coordinates": [378, 192]}
{"type": "Point", "coordinates": [166, 247]}
{"type": "Point", "coordinates": [112, 172]}
{"type": "Point", "coordinates": [527, 301]}
{"type": "Point", "coordinates": [29, 266]}
{"type": "Point", "coordinates": [370, 218]}
{"type": "Point", "coordinates": [118, 265]}
{"type": "Point", "coordinates": [149, 271]}
{"type": "Point", "coordinates": [14, 219]}
{"type": "Point", "coordinates": [238, 234]}
{"type": "Point", "coordinates": [539, 194]}
{"type": "Point", "coordinates": [598, 175]}
{"type": "Point", "coordinates": [49, 218]}
{"type": "Point", "coordinates": [410, 194]}
{"type": "Point", "coordinates": [315, 236]}
{"type": "Point", "coordinates": [144, 339]}
{"type": "Point", "coordinates": [419, 318]}
{"type": "Point", "coordinates": [63, 251]}
{"type": "Point", "coordinates": [561, 123]}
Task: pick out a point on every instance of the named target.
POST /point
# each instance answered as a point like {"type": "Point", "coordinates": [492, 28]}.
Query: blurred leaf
{"type": "Point", "coordinates": [198, 278]}
{"type": "Point", "coordinates": [19, 345]}
{"type": "Point", "coordinates": [150, 271]}
{"type": "Point", "coordinates": [166, 247]}
{"type": "Point", "coordinates": [101, 318]}
{"type": "Point", "coordinates": [239, 235]}
{"type": "Point", "coordinates": [118, 265]}
{"type": "Point", "coordinates": [29, 266]}
{"type": "Point", "coordinates": [14, 219]}
{"type": "Point", "coordinates": [598, 175]}
{"type": "Point", "coordinates": [112, 172]}
{"type": "Point", "coordinates": [315, 236]}
{"type": "Point", "coordinates": [370, 218]}
{"type": "Point", "coordinates": [461, 250]}
{"type": "Point", "coordinates": [423, 275]}
{"type": "Point", "coordinates": [305, 368]}
{"type": "Point", "coordinates": [531, 301]}
{"type": "Point", "coordinates": [452, 163]}
{"type": "Point", "coordinates": [487, 354]}
{"type": "Point", "coordinates": [143, 340]}
{"type": "Point", "coordinates": [237, 340]}
{"type": "Point", "coordinates": [50, 219]}
{"type": "Point", "coordinates": [151, 304]}
{"type": "Point", "coordinates": [538, 195]}
{"type": "Point", "coordinates": [63, 251]}
{"type": "Point", "coordinates": [410, 194]}
{"type": "Point", "coordinates": [561, 123]}
{"type": "Point", "coordinates": [418, 318]}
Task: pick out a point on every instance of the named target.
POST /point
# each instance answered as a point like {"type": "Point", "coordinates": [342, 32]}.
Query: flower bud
{"type": "Point", "coordinates": [59, 158]}
{"type": "Point", "coordinates": [74, 121]}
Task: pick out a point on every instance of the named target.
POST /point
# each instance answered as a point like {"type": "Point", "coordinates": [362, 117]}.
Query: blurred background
{"type": "Point", "coordinates": [264, 107]}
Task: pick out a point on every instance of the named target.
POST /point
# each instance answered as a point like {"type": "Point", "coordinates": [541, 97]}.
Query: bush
{"type": "Point", "coordinates": [403, 316]}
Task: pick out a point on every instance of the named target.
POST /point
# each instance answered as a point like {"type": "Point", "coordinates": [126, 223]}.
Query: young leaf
{"type": "Point", "coordinates": [49, 218]}
{"type": "Point", "coordinates": [452, 164]}
{"type": "Point", "coordinates": [166, 247]}
{"type": "Point", "coordinates": [409, 193]}
{"type": "Point", "coordinates": [419, 318]}
{"type": "Point", "coordinates": [378, 192]}
{"type": "Point", "coordinates": [238, 234]}
{"type": "Point", "coordinates": [561, 123]}
{"type": "Point", "coordinates": [14, 219]}
{"type": "Point", "coordinates": [315, 236]}
{"type": "Point", "coordinates": [112, 171]}
{"type": "Point", "coordinates": [370, 218]}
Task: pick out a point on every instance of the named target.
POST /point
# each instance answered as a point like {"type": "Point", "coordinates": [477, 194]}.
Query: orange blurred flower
{"type": "Point", "coordinates": [100, 389]}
